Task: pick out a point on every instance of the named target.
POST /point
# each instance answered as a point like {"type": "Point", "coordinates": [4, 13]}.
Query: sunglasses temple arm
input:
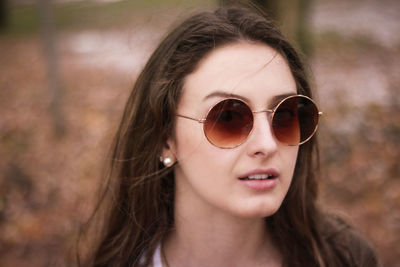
{"type": "Point", "coordinates": [193, 119]}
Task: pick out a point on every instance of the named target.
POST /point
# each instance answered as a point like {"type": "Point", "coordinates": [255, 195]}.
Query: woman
{"type": "Point", "coordinates": [214, 162]}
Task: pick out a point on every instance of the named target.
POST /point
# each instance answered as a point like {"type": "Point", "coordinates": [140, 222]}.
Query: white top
{"type": "Point", "coordinates": [157, 257]}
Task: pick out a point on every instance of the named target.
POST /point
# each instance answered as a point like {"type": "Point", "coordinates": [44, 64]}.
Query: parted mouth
{"type": "Point", "coordinates": [260, 175]}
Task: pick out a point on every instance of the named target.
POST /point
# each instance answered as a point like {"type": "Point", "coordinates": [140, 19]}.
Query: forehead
{"type": "Point", "coordinates": [253, 70]}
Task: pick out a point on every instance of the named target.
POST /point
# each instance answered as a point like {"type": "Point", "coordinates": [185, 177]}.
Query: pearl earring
{"type": "Point", "coordinates": [167, 161]}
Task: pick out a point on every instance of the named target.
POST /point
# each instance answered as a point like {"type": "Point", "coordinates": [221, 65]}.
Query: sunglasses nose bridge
{"type": "Point", "coordinates": [268, 111]}
{"type": "Point", "coordinates": [270, 114]}
{"type": "Point", "coordinates": [262, 137]}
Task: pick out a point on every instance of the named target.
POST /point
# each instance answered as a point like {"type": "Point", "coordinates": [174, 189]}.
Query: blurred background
{"type": "Point", "coordinates": [67, 68]}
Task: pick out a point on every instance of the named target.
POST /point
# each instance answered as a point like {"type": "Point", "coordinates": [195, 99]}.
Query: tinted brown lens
{"type": "Point", "coordinates": [295, 120]}
{"type": "Point", "coordinates": [228, 123]}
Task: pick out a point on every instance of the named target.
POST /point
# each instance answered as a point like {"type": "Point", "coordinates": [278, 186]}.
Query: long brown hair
{"type": "Point", "coordinates": [140, 192]}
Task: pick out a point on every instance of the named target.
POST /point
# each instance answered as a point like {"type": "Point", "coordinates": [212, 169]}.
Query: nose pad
{"type": "Point", "coordinates": [262, 141]}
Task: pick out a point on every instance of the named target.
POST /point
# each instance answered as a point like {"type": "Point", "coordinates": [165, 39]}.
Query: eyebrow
{"type": "Point", "coordinates": [278, 98]}
{"type": "Point", "coordinates": [225, 95]}
{"type": "Point", "coordinates": [272, 103]}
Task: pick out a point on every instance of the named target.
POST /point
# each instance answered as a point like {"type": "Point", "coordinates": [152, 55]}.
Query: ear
{"type": "Point", "coordinates": [168, 154]}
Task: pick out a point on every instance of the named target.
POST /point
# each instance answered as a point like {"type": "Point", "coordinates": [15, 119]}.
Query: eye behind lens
{"type": "Point", "coordinates": [228, 123]}
{"type": "Point", "coordinates": [295, 120]}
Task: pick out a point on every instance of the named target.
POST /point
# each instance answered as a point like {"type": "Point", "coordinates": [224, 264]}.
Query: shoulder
{"type": "Point", "coordinates": [350, 247]}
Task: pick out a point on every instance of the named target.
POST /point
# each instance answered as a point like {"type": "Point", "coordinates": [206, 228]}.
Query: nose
{"type": "Point", "coordinates": [261, 142]}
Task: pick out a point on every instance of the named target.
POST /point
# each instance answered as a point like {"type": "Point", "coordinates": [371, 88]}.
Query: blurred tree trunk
{"type": "Point", "coordinates": [271, 7]}
{"type": "Point", "coordinates": [49, 44]}
{"type": "Point", "coordinates": [3, 14]}
{"type": "Point", "coordinates": [292, 17]}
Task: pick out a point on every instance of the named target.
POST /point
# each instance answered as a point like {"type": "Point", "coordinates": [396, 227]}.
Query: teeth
{"type": "Point", "coordinates": [259, 176]}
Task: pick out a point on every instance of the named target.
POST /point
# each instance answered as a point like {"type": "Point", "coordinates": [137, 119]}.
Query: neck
{"type": "Point", "coordinates": [210, 238]}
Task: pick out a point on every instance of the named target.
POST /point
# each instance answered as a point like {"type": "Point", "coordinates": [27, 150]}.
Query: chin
{"type": "Point", "coordinates": [259, 212]}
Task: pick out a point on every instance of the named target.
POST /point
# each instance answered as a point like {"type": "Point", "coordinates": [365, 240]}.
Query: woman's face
{"type": "Point", "coordinates": [211, 180]}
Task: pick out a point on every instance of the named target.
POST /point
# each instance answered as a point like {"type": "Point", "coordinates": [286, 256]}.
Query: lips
{"type": "Point", "coordinates": [260, 179]}
{"type": "Point", "coordinates": [260, 174]}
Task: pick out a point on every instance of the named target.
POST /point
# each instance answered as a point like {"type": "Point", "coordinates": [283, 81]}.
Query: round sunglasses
{"type": "Point", "coordinates": [228, 123]}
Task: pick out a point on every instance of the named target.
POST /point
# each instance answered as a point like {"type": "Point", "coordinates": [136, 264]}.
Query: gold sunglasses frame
{"type": "Point", "coordinates": [271, 117]}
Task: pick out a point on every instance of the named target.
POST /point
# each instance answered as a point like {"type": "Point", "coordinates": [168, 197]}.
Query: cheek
{"type": "Point", "coordinates": [193, 149]}
{"type": "Point", "coordinates": [189, 139]}
{"type": "Point", "coordinates": [293, 157]}
{"type": "Point", "coordinates": [197, 158]}
{"type": "Point", "coordinates": [289, 159]}
{"type": "Point", "coordinates": [199, 163]}
{"type": "Point", "coordinates": [192, 145]}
